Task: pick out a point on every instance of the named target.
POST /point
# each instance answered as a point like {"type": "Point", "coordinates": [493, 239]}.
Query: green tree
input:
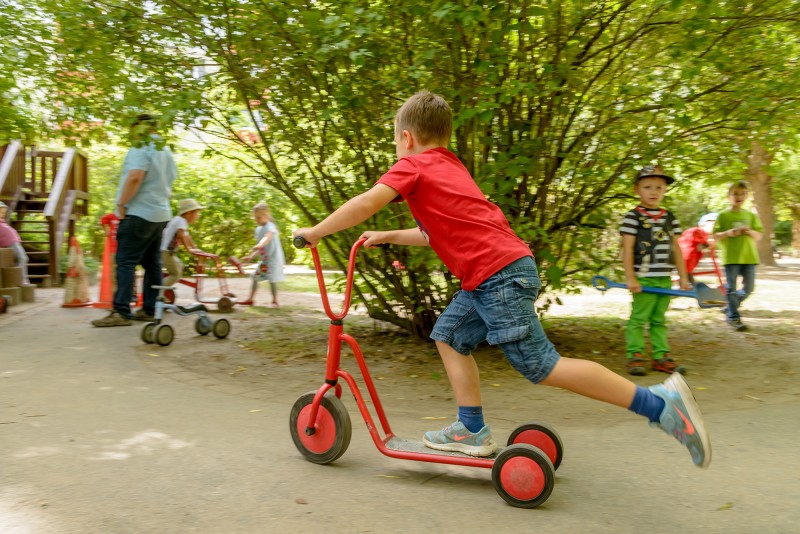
{"type": "Point", "coordinates": [556, 103]}
{"type": "Point", "coordinates": [23, 69]}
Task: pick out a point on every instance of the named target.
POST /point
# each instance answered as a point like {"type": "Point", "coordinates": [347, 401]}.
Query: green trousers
{"type": "Point", "coordinates": [649, 309]}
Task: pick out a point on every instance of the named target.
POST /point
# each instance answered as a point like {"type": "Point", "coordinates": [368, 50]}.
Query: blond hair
{"type": "Point", "coordinates": [427, 116]}
{"type": "Point", "coordinates": [262, 207]}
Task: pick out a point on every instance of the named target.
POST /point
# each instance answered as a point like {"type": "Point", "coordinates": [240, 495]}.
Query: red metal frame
{"type": "Point", "coordinates": [716, 270]}
{"type": "Point", "coordinates": [334, 372]}
{"type": "Point", "coordinates": [201, 260]}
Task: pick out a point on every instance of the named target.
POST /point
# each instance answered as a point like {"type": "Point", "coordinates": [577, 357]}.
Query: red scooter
{"type": "Point", "coordinates": [523, 472]}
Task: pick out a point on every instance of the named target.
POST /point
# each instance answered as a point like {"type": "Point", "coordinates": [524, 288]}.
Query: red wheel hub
{"type": "Point", "coordinates": [325, 435]}
{"type": "Point", "coordinates": [522, 478]}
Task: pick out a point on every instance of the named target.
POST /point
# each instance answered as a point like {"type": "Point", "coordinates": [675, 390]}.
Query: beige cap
{"type": "Point", "coordinates": [188, 204]}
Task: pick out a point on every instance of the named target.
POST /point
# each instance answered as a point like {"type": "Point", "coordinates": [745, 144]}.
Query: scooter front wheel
{"type": "Point", "coordinates": [523, 476]}
{"type": "Point", "coordinates": [542, 436]}
{"type": "Point", "coordinates": [330, 434]}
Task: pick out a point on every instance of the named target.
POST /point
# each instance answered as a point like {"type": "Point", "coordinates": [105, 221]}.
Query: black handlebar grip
{"type": "Point", "coordinates": [300, 242]}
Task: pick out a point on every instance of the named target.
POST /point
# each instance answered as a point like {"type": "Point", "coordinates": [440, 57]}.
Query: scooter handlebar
{"type": "Point", "coordinates": [299, 242]}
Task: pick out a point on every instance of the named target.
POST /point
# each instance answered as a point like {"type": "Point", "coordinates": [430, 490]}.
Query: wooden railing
{"type": "Point", "coordinates": [60, 178]}
{"type": "Point", "coordinates": [68, 192]}
{"type": "Point", "coordinates": [12, 172]}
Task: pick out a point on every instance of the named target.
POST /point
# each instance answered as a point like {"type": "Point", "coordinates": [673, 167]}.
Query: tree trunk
{"type": "Point", "coordinates": [757, 162]}
{"type": "Point", "coordinates": [795, 230]}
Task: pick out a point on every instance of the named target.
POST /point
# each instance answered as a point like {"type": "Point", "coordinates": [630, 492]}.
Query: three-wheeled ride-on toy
{"type": "Point", "coordinates": [163, 334]}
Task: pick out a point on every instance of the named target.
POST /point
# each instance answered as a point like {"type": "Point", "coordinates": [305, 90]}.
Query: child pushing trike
{"type": "Point", "coordinates": [176, 234]}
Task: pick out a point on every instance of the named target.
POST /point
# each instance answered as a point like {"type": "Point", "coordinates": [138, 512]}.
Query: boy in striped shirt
{"type": "Point", "coordinates": [650, 251]}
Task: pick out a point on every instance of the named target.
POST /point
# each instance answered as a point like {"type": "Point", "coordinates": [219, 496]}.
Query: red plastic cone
{"type": "Point", "coordinates": [76, 285]}
{"type": "Point", "coordinates": [106, 297]}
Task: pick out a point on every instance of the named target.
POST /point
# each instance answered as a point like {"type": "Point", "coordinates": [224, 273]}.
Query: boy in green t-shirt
{"type": "Point", "coordinates": [736, 233]}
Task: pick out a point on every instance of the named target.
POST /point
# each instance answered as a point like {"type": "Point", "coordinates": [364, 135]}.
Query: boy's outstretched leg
{"type": "Point", "coordinates": [670, 406]}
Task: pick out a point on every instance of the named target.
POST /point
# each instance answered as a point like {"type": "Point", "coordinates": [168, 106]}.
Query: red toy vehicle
{"type": "Point", "coordinates": [226, 300]}
{"type": "Point", "coordinates": [523, 473]}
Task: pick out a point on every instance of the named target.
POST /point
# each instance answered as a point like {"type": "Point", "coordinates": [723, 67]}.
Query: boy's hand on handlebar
{"type": "Point", "coordinates": [375, 238]}
{"type": "Point", "coordinates": [307, 234]}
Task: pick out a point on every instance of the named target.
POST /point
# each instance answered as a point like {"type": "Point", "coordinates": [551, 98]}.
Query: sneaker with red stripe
{"type": "Point", "coordinates": [665, 364]}
{"type": "Point", "coordinates": [681, 418]}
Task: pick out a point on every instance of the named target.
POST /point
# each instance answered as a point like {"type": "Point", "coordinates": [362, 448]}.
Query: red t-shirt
{"type": "Point", "coordinates": [470, 234]}
{"type": "Point", "coordinates": [690, 242]}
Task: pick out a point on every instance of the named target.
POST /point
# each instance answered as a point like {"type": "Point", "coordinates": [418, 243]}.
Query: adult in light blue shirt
{"type": "Point", "coordinates": [144, 210]}
{"type": "Point", "coordinates": [151, 200]}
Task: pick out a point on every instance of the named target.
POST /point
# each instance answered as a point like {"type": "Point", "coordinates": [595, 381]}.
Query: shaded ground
{"type": "Point", "coordinates": [280, 352]}
{"type": "Point", "coordinates": [106, 434]}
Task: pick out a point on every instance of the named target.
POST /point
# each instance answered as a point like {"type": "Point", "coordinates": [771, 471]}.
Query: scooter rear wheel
{"type": "Point", "coordinates": [542, 436]}
{"type": "Point", "coordinates": [331, 432]}
{"type": "Point", "coordinates": [523, 476]}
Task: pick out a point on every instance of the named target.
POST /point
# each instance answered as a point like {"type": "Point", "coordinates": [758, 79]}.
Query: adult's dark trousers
{"type": "Point", "coordinates": [138, 243]}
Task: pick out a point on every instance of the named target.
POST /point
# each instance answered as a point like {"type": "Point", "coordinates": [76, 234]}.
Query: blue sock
{"type": "Point", "coordinates": [646, 403]}
{"type": "Point", "coordinates": [471, 417]}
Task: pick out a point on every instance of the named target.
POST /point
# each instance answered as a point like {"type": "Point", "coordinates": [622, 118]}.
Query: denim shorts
{"type": "Point", "coordinates": [501, 311]}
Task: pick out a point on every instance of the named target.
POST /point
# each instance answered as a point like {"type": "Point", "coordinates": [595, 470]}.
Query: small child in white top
{"type": "Point", "coordinates": [175, 234]}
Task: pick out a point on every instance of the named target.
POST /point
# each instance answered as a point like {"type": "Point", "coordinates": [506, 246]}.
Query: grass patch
{"type": "Point", "coordinates": [307, 283]}
{"type": "Point", "coordinates": [595, 323]}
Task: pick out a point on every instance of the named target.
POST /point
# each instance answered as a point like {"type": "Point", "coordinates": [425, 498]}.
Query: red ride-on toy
{"type": "Point", "coordinates": [523, 472]}
{"type": "Point", "coordinates": [226, 300]}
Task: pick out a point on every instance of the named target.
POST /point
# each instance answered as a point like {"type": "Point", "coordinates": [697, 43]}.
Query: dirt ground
{"type": "Point", "coordinates": [280, 353]}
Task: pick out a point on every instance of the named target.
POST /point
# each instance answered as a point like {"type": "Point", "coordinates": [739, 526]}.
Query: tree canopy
{"type": "Point", "coordinates": [556, 104]}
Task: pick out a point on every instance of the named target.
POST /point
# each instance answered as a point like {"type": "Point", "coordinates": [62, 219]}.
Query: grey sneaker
{"type": "Point", "coordinates": [112, 319]}
{"type": "Point", "coordinates": [457, 438]}
{"type": "Point", "coordinates": [142, 315]}
{"type": "Point", "coordinates": [682, 419]}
